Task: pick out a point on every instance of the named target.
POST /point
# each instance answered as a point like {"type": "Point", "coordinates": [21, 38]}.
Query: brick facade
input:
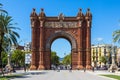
{"type": "Point", "coordinates": [77, 30]}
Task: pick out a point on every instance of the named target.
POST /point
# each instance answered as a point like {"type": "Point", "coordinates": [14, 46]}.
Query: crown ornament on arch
{"type": "Point", "coordinates": [61, 16]}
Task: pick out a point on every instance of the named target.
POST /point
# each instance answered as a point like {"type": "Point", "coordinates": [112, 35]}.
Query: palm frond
{"type": "Point", "coordinates": [10, 36]}
{"type": "Point", "coordinates": [1, 4]}
{"type": "Point", "coordinates": [15, 28]}
{"type": "Point", "coordinates": [3, 11]}
{"type": "Point", "coordinates": [116, 36]}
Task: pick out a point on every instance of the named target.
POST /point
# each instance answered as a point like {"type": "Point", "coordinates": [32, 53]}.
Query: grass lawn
{"type": "Point", "coordinates": [7, 77]}
{"type": "Point", "coordinates": [112, 76]}
{"type": "Point", "coordinates": [3, 79]}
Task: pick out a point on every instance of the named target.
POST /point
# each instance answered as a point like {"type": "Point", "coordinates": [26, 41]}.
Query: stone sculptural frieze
{"type": "Point", "coordinates": [61, 24]}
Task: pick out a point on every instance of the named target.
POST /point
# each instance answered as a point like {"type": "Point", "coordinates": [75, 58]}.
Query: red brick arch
{"type": "Point", "coordinates": [77, 30]}
{"type": "Point", "coordinates": [61, 34]}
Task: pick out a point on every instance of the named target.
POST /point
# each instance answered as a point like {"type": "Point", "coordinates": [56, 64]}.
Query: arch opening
{"type": "Point", "coordinates": [61, 54]}
{"type": "Point", "coordinates": [72, 43]}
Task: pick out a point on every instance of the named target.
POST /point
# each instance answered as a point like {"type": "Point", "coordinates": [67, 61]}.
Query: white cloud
{"type": "Point", "coordinates": [118, 24]}
{"type": "Point", "coordinates": [99, 39]}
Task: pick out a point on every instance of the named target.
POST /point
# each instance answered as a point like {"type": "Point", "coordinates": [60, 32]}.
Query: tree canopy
{"type": "Point", "coordinates": [8, 35]}
{"type": "Point", "coordinates": [18, 57]}
{"type": "Point", "coordinates": [67, 60]}
{"type": "Point", "coordinates": [103, 59]}
{"type": "Point", "coordinates": [54, 58]}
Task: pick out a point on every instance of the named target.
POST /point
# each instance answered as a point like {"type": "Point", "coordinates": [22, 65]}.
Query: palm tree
{"type": "Point", "coordinates": [116, 36]}
{"type": "Point", "coordinates": [8, 36]}
{"type": "Point", "coordinates": [2, 10]}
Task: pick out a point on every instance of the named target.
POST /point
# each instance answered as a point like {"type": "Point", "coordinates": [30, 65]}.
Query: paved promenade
{"type": "Point", "coordinates": [62, 75]}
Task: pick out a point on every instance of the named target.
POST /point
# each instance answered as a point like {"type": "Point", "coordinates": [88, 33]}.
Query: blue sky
{"type": "Point", "coordinates": [106, 16]}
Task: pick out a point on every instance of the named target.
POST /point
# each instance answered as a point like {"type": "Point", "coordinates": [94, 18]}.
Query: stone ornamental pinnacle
{"type": "Point", "coordinates": [46, 29]}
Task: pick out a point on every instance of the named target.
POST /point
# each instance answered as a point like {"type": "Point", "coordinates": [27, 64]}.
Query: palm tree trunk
{"type": "Point", "coordinates": [1, 59]}
{"type": "Point", "coordinates": [0, 47]}
{"type": "Point", "coordinates": [1, 65]}
{"type": "Point", "coordinates": [0, 55]}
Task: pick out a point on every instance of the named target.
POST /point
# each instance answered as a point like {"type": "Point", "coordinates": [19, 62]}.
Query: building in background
{"type": "Point", "coordinates": [27, 49]}
{"type": "Point", "coordinates": [27, 46]}
{"type": "Point", "coordinates": [101, 51]}
{"type": "Point", "coordinates": [20, 47]}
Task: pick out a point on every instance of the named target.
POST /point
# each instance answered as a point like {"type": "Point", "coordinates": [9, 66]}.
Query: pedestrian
{"type": "Point", "coordinates": [70, 70]}
{"type": "Point", "coordinates": [93, 69]}
{"type": "Point", "coordinates": [25, 68]}
{"type": "Point", "coordinates": [84, 69]}
{"type": "Point", "coordinates": [58, 68]}
{"type": "Point", "coordinates": [6, 69]}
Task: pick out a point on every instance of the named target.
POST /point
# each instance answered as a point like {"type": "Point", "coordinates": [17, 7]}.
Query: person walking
{"type": "Point", "coordinates": [70, 69]}
{"type": "Point", "coordinates": [84, 69]}
{"type": "Point", "coordinates": [93, 69]}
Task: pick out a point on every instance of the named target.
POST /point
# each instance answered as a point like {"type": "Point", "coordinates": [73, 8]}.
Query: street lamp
{"type": "Point", "coordinates": [118, 57]}
{"type": "Point", "coordinates": [96, 56]}
{"type": "Point", "coordinates": [10, 49]}
{"type": "Point", "coordinates": [113, 66]}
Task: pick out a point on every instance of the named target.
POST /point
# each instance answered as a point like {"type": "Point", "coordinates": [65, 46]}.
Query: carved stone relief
{"type": "Point", "coordinates": [61, 24]}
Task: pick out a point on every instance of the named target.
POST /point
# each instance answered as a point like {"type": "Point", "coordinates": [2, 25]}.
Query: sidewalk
{"type": "Point", "coordinates": [98, 72]}
{"type": "Point", "coordinates": [62, 75]}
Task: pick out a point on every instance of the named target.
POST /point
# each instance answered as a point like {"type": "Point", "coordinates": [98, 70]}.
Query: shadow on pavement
{"type": "Point", "coordinates": [24, 75]}
{"type": "Point", "coordinates": [35, 73]}
{"type": "Point", "coordinates": [14, 76]}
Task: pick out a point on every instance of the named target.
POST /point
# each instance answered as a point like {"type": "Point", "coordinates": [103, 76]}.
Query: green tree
{"type": "Point", "coordinates": [103, 59]}
{"type": "Point", "coordinates": [1, 12]}
{"type": "Point", "coordinates": [54, 58]}
{"type": "Point", "coordinates": [8, 35]}
{"type": "Point", "coordinates": [116, 36]}
{"type": "Point", "coordinates": [4, 58]}
{"type": "Point", "coordinates": [18, 58]}
{"type": "Point", "coordinates": [67, 60]}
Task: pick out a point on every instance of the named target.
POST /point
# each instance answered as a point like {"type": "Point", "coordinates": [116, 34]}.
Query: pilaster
{"type": "Point", "coordinates": [41, 50]}
{"type": "Point", "coordinates": [80, 18]}
{"type": "Point", "coordinates": [88, 18]}
{"type": "Point", "coordinates": [34, 18]}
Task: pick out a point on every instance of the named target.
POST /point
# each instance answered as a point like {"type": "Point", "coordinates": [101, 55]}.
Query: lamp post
{"type": "Point", "coordinates": [10, 49]}
{"type": "Point", "coordinates": [113, 66]}
{"type": "Point", "coordinates": [118, 57]}
{"type": "Point", "coordinates": [25, 50]}
{"type": "Point", "coordinates": [9, 61]}
{"type": "Point", "coordinates": [96, 56]}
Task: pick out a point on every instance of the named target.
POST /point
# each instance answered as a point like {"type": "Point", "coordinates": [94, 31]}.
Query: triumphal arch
{"type": "Point", "coordinates": [76, 29]}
